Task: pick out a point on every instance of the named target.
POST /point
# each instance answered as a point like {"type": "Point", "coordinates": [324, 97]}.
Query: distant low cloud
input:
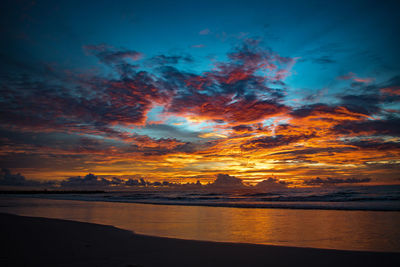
{"type": "Point", "coordinates": [334, 181]}
{"type": "Point", "coordinates": [222, 182]}
{"type": "Point", "coordinates": [96, 182]}
{"type": "Point", "coordinates": [9, 179]}
{"type": "Point", "coordinates": [89, 180]}
{"type": "Point", "coordinates": [271, 184]}
{"type": "Point", "coordinates": [225, 180]}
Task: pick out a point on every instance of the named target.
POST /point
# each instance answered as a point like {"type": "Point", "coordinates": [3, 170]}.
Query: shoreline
{"type": "Point", "coordinates": [37, 241]}
{"type": "Point", "coordinates": [308, 205]}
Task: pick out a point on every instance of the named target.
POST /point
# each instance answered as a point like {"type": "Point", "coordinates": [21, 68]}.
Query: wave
{"type": "Point", "coordinates": [377, 198]}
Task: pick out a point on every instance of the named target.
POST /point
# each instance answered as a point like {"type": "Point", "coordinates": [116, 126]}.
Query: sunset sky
{"type": "Point", "coordinates": [184, 90]}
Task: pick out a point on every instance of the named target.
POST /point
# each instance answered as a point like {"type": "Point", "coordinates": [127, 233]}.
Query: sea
{"type": "Point", "coordinates": [364, 218]}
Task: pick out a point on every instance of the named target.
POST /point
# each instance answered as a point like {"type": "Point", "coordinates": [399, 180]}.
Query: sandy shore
{"type": "Point", "coordinates": [29, 241]}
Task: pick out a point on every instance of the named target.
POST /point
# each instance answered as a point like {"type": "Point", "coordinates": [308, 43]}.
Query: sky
{"type": "Point", "coordinates": [182, 91]}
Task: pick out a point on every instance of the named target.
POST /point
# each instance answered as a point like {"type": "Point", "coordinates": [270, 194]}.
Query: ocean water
{"type": "Point", "coordinates": [334, 219]}
{"type": "Point", "coordinates": [373, 198]}
{"type": "Point", "coordinates": [377, 198]}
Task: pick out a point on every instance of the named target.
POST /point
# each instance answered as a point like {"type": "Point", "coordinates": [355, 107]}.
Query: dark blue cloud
{"type": "Point", "coordinates": [389, 126]}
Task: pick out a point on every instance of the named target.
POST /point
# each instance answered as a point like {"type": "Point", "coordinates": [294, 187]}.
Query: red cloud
{"type": "Point", "coordinates": [204, 32]}
{"type": "Point", "coordinates": [353, 76]}
{"type": "Point", "coordinates": [198, 46]}
{"type": "Point", "coordinates": [395, 90]}
{"type": "Point", "coordinates": [225, 108]}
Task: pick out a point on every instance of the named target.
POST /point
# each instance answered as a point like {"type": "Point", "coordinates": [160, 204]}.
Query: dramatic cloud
{"type": "Point", "coordinates": [327, 112]}
{"type": "Point", "coordinates": [236, 91]}
{"type": "Point", "coordinates": [274, 141]}
{"type": "Point", "coordinates": [316, 150]}
{"type": "Point", "coordinates": [224, 109]}
{"type": "Point", "coordinates": [364, 104]}
{"type": "Point", "coordinates": [174, 116]}
{"type": "Point", "coordinates": [375, 145]}
{"type": "Point", "coordinates": [243, 129]}
{"type": "Point", "coordinates": [49, 107]}
{"type": "Point", "coordinates": [390, 126]}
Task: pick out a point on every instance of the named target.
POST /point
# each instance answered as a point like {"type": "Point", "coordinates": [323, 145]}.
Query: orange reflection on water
{"type": "Point", "coordinates": [350, 230]}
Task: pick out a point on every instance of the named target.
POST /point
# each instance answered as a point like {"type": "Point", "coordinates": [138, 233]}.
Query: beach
{"type": "Point", "coordinates": [35, 241]}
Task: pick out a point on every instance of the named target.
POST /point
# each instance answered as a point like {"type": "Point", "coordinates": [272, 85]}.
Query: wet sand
{"type": "Point", "coordinates": [32, 241]}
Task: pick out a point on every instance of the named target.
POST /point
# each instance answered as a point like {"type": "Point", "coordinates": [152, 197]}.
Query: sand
{"type": "Point", "coordinates": [32, 241]}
